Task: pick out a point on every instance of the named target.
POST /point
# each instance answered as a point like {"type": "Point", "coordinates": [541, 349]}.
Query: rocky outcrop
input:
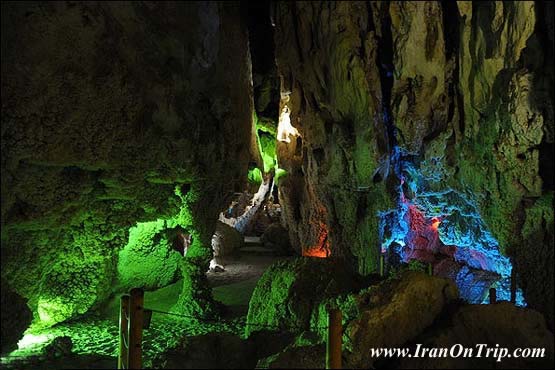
{"type": "Point", "coordinates": [114, 114]}
{"type": "Point", "coordinates": [415, 308]}
{"type": "Point", "coordinates": [148, 260]}
{"type": "Point", "coordinates": [289, 291]}
{"type": "Point", "coordinates": [390, 314]}
{"type": "Point", "coordinates": [500, 324]}
{"type": "Point", "coordinates": [327, 56]}
{"type": "Point", "coordinates": [210, 351]}
{"type": "Point", "coordinates": [276, 237]}
{"type": "Point", "coordinates": [507, 129]}
{"type": "Point", "coordinates": [16, 318]}
{"type": "Point", "coordinates": [464, 89]}
{"type": "Point", "coordinates": [226, 240]}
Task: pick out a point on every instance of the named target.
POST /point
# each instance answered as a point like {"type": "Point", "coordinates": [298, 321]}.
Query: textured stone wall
{"type": "Point", "coordinates": [469, 90]}
{"type": "Point", "coordinates": [107, 109]}
{"type": "Point", "coordinates": [327, 55]}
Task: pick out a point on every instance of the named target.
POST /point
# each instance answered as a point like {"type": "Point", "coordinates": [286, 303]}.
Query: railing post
{"type": "Point", "coordinates": [136, 308]}
{"type": "Point", "coordinates": [513, 285]}
{"type": "Point", "coordinates": [123, 332]}
{"type": "Point", "coordinates": [335, 333]}
{"type": "Point", "coordinates": [492, 295]}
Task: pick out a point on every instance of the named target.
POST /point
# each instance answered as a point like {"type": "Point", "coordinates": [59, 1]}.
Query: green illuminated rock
{"type": "Point", "coordinates": [72, 286]}
{"type": "Point", "coordinates": [106, 109]}
{"type": "Point", "coordinates": [287, 293]}
{"type": "Point", "coordinates": [195, 299]}
{"type": "Point", "coordinates": [148, 259]}
{"type": "Point", "coordinates": [255, 176]}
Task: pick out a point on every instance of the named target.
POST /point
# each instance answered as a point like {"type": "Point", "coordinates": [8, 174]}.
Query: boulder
{"type": "Point", "coordinates": [16, 318]}
{"type": "Point", "coordinates": [226, 240]}
{"type": "Point", "coordinates": [502, 324]}
{"type": "Point", "coordinates": [392, 313]}
{"type": "Point", "coordinates": [289, 291]}
{"type": "Point", "coordinates": [276, 237]}
{"type": "Point", "coordinates": [210, 351]}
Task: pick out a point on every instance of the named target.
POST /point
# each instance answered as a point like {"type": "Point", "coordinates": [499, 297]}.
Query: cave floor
{"type": "Point", "coordinates": [95, 337]}
{"type": "Point", "coordinates": [235, 285]}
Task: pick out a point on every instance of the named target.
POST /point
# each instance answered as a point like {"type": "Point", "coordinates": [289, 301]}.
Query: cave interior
{"type": "Point", "coordinates": [251, 167]}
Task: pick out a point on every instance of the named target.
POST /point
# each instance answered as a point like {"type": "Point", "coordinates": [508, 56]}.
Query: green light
{"type": "Point", "coordinates": [54, 310]}
{"type": "Point", "coordinates": [280, 173]}
{"type": "Point", "coordinates": [148, 259]}
{"type": "Point", "coordinates": [255, 176]}
{"type": "Point", "coordinates": [266, 139]}
{"type": "Point", "coordinates": [30, 341]}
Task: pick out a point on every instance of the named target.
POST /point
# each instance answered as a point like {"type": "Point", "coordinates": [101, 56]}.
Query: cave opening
{"type": "Point", "coordinates": [181, 242]}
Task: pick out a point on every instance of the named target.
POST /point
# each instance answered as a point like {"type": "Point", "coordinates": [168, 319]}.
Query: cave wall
{"type": "Point", "coordinates": [113, 114]}
{"type": "Point", "coordinates": [327, 55]}
{"type": "Point", "coordinates": [468, 88]}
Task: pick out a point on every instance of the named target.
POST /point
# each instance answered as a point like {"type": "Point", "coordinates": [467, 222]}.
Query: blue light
{"type": "Point", "coordinates": [454, 217]}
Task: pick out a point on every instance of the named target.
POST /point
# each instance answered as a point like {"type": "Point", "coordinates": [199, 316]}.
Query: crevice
{"type": "Point", "coordinates": [262, 51]}
{"type": "Point", "coordinates": [451, 35]}
{"type": "Point", "coordinates": [386, 69]}
{"type": "Point", "coordinates": [542, 88]}
{"type": "Point", "coordinates": [295, 29]}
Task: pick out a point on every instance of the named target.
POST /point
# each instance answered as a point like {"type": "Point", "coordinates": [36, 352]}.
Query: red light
{"type": "Point", "coordinates": [315, 252]}
{"type": "Point", "coordinates": [322, 248]}
{"type": "Point", "coordinates": [435, 223]}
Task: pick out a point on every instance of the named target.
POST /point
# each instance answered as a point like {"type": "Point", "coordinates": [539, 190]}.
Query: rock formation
{"type": "Point", "coordinates": [113, 115]}
{"type": "Point", "coordinates": [464, 89]}
{"type": "Point", "coordinates": [412, 130]}
{"type": "Point", "coordinates": [288, 293]}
